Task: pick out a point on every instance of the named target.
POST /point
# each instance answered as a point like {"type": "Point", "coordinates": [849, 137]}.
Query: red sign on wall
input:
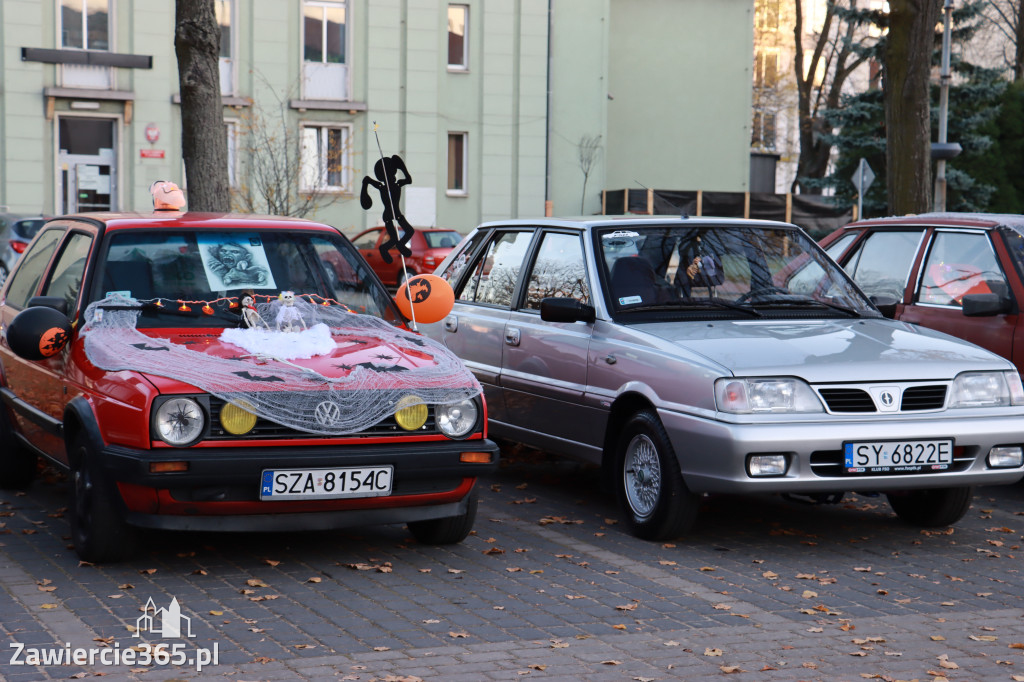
{"type": "Point", "coordinates": [151, 153]}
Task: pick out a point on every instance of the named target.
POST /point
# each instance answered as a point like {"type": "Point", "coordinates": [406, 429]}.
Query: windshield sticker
{"type": "Point", "coordinates": [630, 300]}
{"type": "Point", "coordinates": [235, 261]}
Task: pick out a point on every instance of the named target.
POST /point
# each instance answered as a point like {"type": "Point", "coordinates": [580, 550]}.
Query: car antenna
{"type": "Point", "coordinates": [682, 213]}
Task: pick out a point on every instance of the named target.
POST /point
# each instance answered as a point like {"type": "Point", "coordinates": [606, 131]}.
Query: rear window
{"type": "Point", "coordinates": [442, 240]}
{"type": "Point", "coordinates": [26, 229]}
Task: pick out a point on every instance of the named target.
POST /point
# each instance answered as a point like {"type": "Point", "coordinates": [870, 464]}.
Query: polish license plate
{"type": "Point", "coordinates": [897, 456]}
{"type": "Point", "coordinates": [325, 484]}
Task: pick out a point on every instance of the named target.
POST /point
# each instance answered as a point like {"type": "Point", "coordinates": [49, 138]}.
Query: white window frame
{"type": "Point", "coordinates": [463, 65]}
{"type": "Point", "coordinates": [315, 74]}
{"type": "Point", "coordinates": [322, 153]}
{"type": "Point", "coordinates": [85, 27]}
{"type": "Point", "coordinates": [464, 190]}
{"type": "Point", "coordinates": [229, 65]}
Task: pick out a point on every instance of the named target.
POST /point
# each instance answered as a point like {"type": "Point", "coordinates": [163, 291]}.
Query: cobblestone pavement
{"type": "Point", "coordinates": [550, 586]}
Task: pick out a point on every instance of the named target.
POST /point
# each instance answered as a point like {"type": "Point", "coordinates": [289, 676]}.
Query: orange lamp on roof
{"type": "Point", "coordinates": [167, 196]}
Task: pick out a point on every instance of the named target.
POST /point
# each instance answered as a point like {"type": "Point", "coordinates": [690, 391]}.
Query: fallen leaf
{"type": "Point", "coordinates": [431, 620]}
{"type": "Point", "coordinates": [256, 582]}
{"type": "Point", "coordinates": [944, 662]}
{"type": "Point", "coordinates": [722, 607]}
{"type": "Point", "coordinates": [708, 651]}
{"type": "Point", "coordinates": [771, 575]}
{"type": "Point", "coordinates": [271, 562]}
{"type": "Point", "coordinates": [619, 627]}
{"type": "Point", "coordinates": [983, 638]}
{"type": "Point", "coordinates": [216, 613]}
{"type": "Point", "coordinates": [611, 662]}
{"type": "Point", "coordinates": [147, 571]}
{"type": "Point", "coordinates": [862, 569]}
{"type": "Point", "coordinates": [494, 550]}
{"type": "Point", "coordinates": [626, 607]}
{"type": "Point", "coordinates": [382, 648]}
{"type": "Point", "coordinates": [313, 580]}
{"type": "Point", "coordinates": [458, 635]}
{"type": "Point", "coordinates": [809, 594]}
{"type": "Point", "coordinates": [537, 666]}
{"type": "Point", "coordinates": [937, 638]}
{"type": "Point", "coordinates": [727, 669]}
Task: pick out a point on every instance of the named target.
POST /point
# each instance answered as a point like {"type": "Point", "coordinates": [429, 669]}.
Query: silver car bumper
{"type": "Point", "coordinates": [713, 454]}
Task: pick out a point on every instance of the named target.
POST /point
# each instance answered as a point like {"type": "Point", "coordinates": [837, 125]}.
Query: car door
{"type": "Point", "coordinates": [475, 329]}
{"type": "Point", "coordinates": [544, 365]}
{"type": "Point", "coordinates": [882, 261]}
{"type": "Point", "coordinates": [958, 262]}
{"type": "Point", "coordinates": [39, 384]}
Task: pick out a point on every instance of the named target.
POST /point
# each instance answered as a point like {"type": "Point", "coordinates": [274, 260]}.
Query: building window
{"type": "Point", "coordinates": [458, 48]}
{"type": "Point", "coordinates": [225, 17]}
{"type": "Point", "coordinates": [84, 24]}
{"type": "Point", "coordinates": [324, 40]}
{"type": "Point", "coordinates": [762, 133]}
{"type": "Point", "coordinates": [766, 68]}
{"type": "Point", "coordinates": [767, 15]}
{"type": "Point", "coordinates": [457, 163]}
{"type": "Point", "coordinates": [325, 158]}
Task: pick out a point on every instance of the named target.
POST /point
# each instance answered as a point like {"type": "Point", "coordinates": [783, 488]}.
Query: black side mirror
{"type": "Point", "coordinates": [58, 303]}
{"type": "Point", "coordinates": [984, 305]}
{"type": "Point", "coordinates": [886, 304]}
{"type": "Point", "coordinates": [565, 310]}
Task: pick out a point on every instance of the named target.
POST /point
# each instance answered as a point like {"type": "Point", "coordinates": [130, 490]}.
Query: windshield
{"type": "Point", "coordinates": [194, 278]}
{"type": "Point", "coordinates": [748, 268]}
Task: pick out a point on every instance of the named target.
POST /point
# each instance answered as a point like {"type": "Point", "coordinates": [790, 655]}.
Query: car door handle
{"type": "Point", "coordinates": [451, 324]}
{"type": "Point", "coordinates": [512, 336]}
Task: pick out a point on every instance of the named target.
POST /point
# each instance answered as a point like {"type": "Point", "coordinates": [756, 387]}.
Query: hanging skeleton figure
{"type": "Point", "coordinates": [390, 188]}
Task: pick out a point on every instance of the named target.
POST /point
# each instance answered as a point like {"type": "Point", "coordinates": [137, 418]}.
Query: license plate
{"type": "Point", "coordinates": [325, 484]}
{"type": "Point", "coordinates": [897, 456]}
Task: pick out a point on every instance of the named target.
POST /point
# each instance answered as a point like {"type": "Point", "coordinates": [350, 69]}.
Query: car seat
{"type": "Point", "coordinates": [634, 281]}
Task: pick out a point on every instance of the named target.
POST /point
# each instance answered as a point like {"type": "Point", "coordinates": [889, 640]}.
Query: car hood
{"type": "Point", "coordinates": [827, 350]}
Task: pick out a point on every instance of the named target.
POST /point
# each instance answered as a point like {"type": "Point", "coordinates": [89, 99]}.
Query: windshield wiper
{"type": "Point", "coordinates": [699, 303]}
{"type": "Point", "coordinates": [813, 301]}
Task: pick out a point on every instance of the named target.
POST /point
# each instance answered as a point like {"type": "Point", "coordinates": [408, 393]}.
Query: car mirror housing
{"type": "Point", "coordinates": [565, 310]}
{"type": "Point", "coordinates": [38, 332]}
{"type": "Point", "coordinates": [58, 303]}
{"type": "Point", "coordinates": [886, 304]}
{"type": "Point", "coordinates": [982, 305]}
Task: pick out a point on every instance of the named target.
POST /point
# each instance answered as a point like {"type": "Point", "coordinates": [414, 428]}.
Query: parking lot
{"type": "Point", "coordinates": [549, 586]}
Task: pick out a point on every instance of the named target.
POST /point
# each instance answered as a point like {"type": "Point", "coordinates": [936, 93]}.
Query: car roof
{"type": "Point", "coordinates": [585, 222]}
{"type": "Point", "coordinates": [979, 220]}
{"type": "Point", "coordinates": [177, 219]}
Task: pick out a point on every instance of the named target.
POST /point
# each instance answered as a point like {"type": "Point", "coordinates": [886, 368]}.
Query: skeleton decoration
{"type": "Point", "coordinates": [250, 316]}
{"type": "Point", "coordinates": [289, 318]}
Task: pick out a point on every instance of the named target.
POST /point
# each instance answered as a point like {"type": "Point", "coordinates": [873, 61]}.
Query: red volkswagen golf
{"type": "Point", "coordinates": [228, 373]}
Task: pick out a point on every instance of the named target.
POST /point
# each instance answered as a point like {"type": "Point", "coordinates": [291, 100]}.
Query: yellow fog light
{"type": "Point", "coordinates": [411, 413]}
{"type": "Point", "coordinates": [237, 420]}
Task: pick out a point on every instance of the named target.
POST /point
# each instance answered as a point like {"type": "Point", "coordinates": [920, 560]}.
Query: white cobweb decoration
{"type": "Point", "coordinates": [359, 380]}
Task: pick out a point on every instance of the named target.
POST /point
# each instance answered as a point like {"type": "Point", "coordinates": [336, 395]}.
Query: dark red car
{"type": "Point", "coordinates": [228, 373]}
{"type": "Point", "coordinates": [429, 247]}
{"type": "Point", "coordinates": [959, 273]}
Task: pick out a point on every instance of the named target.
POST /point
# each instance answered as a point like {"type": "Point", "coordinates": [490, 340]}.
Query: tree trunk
{"type": "Point", "coordinates": [203, 137]}
{"type": "Point", "coordinates": [908, 53]}
{"type": "Point", "coordinates": [1018, 63]}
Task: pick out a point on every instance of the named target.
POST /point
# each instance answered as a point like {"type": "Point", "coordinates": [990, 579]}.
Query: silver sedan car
{"type": "Point", "coordinates": [689, 356]}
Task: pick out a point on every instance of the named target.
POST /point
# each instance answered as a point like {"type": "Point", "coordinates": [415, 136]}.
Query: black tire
{"type": "Point", "coordinates": [654, 499]}
{"type": "Point", "coordinates": [933, 507]}
{"type": "Point", "coordinates": [98, 531]}
{"type": "Point", "coordinates": [446, 531]}
{"type": "Point", "coordinates": [17, 463]}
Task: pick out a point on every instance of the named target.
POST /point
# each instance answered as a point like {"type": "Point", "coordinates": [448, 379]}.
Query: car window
{"type": "Point", "coordinates": [495, 274]}
{"type": "Point", "coordinates": [836, 248]}
{"type": "Point", "coordinates": [26, 229]}
{"type": "Point", "coordinates": [558, 271]}
{"type": "Point", "coordinates": [367, 240]}
{"type": "Point", "coordinates": [453, 271]}
{"type": "Point", "coordinates": [442, 240]}
{"type": "Point", "coordinates": [960, 263]}
{"type": "Point", "coordinates": [881, 264]}
{"type": "Point", "coordinates": [66, 276]}
{"type": "Point", "coordinates": [30, 271]}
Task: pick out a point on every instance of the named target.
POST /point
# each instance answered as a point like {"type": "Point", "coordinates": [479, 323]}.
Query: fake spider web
{"type": "Point", "coordinates": [354, 382]}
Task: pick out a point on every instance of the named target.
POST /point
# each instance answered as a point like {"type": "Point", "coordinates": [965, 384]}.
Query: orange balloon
{"type": "Point", "coordinates": [432, 298]}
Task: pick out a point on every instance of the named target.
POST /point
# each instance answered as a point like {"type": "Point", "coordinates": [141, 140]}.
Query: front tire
{"type": "Point", "coordinates": [446, 531]}
{"type": "Point", "coordinates": [98, 532]}
{"type": "Point", "coordinates": [931, 508]}
{"type": "Point", "coordinates": [651, 491]}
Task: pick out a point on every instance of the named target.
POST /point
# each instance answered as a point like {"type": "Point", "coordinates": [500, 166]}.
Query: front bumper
{"type": "Point", "coordinates": [713, 454]}
{"type": "Point", "coordinates": [220, 488]}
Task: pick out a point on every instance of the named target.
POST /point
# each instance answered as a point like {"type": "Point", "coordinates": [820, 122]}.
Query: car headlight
{"type": "Point", "coordinates": [986, 389]}
{"type": "Point", "coordinates": [765, 395]}
{"type": "Point", "coordinates": [179, 421]}
{"type": "Point", "coordinates": [458, 419]}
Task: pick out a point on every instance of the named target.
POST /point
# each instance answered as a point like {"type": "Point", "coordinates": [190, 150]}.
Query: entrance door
{"type": "Point", "coordinates": [88, 165]}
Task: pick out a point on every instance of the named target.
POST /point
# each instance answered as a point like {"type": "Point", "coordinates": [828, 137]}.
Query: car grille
{"type": "Point", "coordinates": [267, 429]}
{"type": "Point", "coordinates": [915, 398]}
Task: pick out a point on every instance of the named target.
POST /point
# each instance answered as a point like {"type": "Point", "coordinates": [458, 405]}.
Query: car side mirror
{"type": "Point", "coordinates": [38, 332]}
{"type": "Point", "coordinates": [886, 304]}
{"type": "Point", "coordinates": [58, 303]}
{"type": "Point", "coordinates": [983, 305]}
{"type": "Point", "coordinates": [565, 310]}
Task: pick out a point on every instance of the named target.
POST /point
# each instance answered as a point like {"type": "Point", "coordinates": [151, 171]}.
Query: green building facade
{"type": "Point", "coordinates": [498, 107]}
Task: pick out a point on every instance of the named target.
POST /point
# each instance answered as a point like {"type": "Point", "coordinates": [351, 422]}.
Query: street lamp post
{"type": "Point", "coordinates": [943, 150]}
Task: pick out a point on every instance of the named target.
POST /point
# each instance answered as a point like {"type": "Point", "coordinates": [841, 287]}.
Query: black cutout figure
{"type": "Point", "coordinates": [390, 188]}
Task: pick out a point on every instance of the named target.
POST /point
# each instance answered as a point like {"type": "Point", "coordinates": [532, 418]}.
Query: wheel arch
{"type": "Point", "coordinates": [79, 418]}
{"type": "Point", "coordinates": [624, 407]}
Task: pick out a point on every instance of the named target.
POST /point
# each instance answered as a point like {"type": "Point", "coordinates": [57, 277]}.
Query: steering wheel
{"type": "Point", "coordinates": [761, 291]}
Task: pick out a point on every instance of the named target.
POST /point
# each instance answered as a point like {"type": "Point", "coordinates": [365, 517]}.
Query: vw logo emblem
{"type": "Point", "coordinates": [886, 398]}
{"type": "Point", "coordinates": [327, 413]}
